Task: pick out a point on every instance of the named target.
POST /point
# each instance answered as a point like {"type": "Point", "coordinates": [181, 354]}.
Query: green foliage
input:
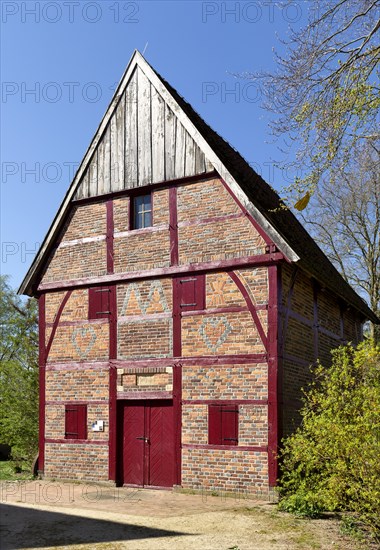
{"type": "Point", "coordinates": [324, 92]}
{"type": "Point", "coordinates": [332, 461]}
{"type": "Point", "coordinates": [18, 373]}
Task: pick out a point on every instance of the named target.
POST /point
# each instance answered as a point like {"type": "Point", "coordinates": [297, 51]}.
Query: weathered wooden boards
{"type": "Point", "coordinates": [144, 142]}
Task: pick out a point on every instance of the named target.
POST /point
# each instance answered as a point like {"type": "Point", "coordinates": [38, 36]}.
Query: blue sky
{"type": "Point", "coordinates": [62, 59]}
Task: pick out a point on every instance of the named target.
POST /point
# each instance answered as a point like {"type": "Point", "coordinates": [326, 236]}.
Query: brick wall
{"type": "Point", "coordinates": [76, 461]}
{"type": "Point", "coordinates": [142, 250]}
{"type": "Point", "coordinates": [225, 470]}
{"type": "Point", "coordinates": [225, 381]}
{"type": "Point", "coordinates": [220, 334]}
{"type": "Point", "coordinates": [140, 338]}
{"type": "Point", "coordinates": [55, 421]}
{"type": "Point", "coordinates": [312, 326]}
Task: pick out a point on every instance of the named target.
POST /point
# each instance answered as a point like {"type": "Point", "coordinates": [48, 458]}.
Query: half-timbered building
{"type": "Point", "coordinates": [179, 307]}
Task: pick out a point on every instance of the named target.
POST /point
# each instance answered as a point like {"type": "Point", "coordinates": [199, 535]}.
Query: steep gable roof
{"type": "Point", "coordinates": [209, 151]}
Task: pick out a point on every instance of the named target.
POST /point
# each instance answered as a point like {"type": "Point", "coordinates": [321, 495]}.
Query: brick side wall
{"type": "Point", "coordinates": [306, 337]}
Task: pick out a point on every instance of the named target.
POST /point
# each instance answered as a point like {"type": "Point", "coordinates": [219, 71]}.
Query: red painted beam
{"type": "Point", "coordinates": [259, 449]}
{"type": "Point", "coordinates": [110, 236]}
{"type": "Point", "coordinates": [225, 401]}
{"type": "Point", "coordinates": [251, 307]}
{"type": "Point", "coordinates": [273, 376]}
{"type": "Point", "coordinates": [56, 322]}
{"type": "Point", "coordinates": [177, 380]}
{"type": "Point", "coordinates": [88, 402]}
{"type": "Point", "coordinates": [77, 365]}
{"type": "Point", "coordinates": [221, 265]}
{"type": "Point", "coordinates": [112, 385]}
{"type": "Point", "coordinates": [42, 382]}
{"type": "Point", "coordinates": [177, 404]}
{"type": "Point", "coordinates": [145, 395]}
{"type": "Point", "coordinates": [258, 228]}
{"type": "Point", "coordinates": [201, 360]}
{"type": "Point", "coordinates": [173, 227]}
{"type": "Point", "coordinates": [141, 190]}
{"type": "Point", "coordinates": [78, 441]}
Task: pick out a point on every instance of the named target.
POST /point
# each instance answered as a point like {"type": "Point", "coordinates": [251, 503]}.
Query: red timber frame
{"type": "Point", "coordinates": [272, 259]}
{"type": "Point", "coordinates": [42, 381]}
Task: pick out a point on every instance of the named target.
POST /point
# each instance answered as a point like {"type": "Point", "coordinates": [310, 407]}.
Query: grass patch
{"type": "Point", "coordinates": [12, 471]}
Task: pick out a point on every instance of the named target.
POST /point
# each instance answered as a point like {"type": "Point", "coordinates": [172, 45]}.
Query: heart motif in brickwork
{"type": "Point", "coordinates": [83, 339]}
{"type": "Point", "coordinates": [214, 331]}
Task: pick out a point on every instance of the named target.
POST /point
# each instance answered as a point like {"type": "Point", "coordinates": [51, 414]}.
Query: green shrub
{"type": "Point", "coordinates": [332, 462]}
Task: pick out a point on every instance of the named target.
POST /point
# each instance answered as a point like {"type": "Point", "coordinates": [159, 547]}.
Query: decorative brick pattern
{"type": "Point", "coordinates": [145, 379]}
{"type": "Point", "coordinates": [222, 292]}
{"type": "Point", "coordinates": [234, 333]}
{"type": "Point", "coordinates": [225, 382]}
{"type": "Point", "coordinates": [145, 297]}
{"type": "Point", "coordinates": [89, 341]}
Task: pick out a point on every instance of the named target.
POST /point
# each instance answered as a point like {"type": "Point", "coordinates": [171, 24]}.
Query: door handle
{"type": "Point", "coordinates": [146, 439]}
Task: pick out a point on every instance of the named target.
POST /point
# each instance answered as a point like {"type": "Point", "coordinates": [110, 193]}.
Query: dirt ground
{"type": "Point", "coordinates": [42, 514]}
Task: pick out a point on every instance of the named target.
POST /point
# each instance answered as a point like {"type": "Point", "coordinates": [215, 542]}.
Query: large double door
{"type": "Point", "coordinates": [146, 437]}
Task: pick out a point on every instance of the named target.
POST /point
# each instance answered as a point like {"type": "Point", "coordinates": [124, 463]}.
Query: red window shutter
{"type": "Point", "coordinates": [76, 422]}
{"type": "Point", "coordinates": [214, 425]}
{"type": "Point", "coordinates": [230, 424]}
{"type": "Point", "coordinates": [99, 302]}
{"type": "Point", "coordinates": [223, 424]}
{"type": "Point", "coordinates": [192, 291]}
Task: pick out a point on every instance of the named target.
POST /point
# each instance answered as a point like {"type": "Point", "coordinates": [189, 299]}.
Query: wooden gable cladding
{"type": "Point", "coordinates": [144, 142]}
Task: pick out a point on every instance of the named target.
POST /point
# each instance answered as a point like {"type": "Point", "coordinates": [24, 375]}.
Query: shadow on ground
{"type": "Point", "coordinates": [31, 528]}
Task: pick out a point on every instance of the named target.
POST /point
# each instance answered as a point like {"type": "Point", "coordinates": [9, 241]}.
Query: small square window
{"type": "Point", "coordinates": [223, 424]}
{"type": "Point", "coordinates": [141, 214]}
{"type": "Point", "coordinates": [75, 421]}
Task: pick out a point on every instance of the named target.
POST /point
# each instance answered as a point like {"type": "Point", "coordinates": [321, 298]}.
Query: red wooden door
{"type": "Point", "coordinates": [133, 444]}
{"type": "Point", "coordinates": [147, 454]}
